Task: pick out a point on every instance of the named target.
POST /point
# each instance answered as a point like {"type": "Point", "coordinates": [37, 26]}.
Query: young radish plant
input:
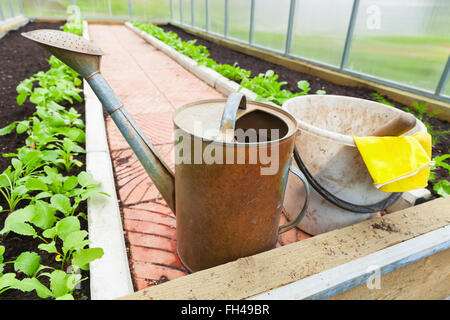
{"type": "Point", "coordinates": [42, 201]}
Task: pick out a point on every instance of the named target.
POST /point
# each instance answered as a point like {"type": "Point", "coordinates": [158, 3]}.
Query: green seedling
{"type": "Point", "coordinates": [29, 264]}
{"type": "Point", "coordinates": [233, 72]}
{"type": "Point", "coordinates": [74, 243]}
{"type": "Point", "coordinates": [441, 187]}
{"type": "Point", "coordinates": [40, 214]}
{"type": "Point", "coordinates": [62, 284]}
{"type": "Point", "coordinates": [67, 150]}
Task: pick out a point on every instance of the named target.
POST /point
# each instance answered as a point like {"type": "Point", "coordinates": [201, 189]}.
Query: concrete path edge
{"type": "Point", "coordinates": [110, 276]}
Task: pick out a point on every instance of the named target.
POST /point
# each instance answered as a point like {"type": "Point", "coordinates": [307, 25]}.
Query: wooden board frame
{"type": "Point", "coordinates": [252, 276]}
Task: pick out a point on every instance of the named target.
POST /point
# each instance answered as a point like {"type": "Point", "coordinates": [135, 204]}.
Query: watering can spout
{"type": "Point", "coordinates": [84, 57]}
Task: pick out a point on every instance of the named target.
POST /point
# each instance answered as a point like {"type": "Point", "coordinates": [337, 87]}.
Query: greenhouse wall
{"type": "Point", "coordinates": [400, 43]}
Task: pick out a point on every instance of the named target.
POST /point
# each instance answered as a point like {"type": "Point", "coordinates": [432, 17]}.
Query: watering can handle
{"type": "Point", "coordinates": [235, 101]}
{"type": "Point", "coordinates": [288, 226]}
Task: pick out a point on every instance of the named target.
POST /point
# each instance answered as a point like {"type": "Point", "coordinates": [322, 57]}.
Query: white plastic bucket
{"type": "Point", "coordinates": [326, 146]}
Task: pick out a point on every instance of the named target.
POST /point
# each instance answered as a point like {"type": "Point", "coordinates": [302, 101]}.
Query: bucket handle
{"type": "Point", "coordinates": [371, 208]}
{"type": "Point", "coordinates": [289, 225]}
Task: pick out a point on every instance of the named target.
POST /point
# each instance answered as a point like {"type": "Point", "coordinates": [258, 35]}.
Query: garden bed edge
{"type": "Point", "coordinates": [110, 276]}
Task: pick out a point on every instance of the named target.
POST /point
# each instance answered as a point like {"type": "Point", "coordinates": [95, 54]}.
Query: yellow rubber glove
{"type": "Point", "coordinates": [397, 164]}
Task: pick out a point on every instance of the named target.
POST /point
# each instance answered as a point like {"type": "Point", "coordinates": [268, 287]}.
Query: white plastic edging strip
{"type": "Point", "coordinates": [110, 276]}
{"type": "Point", "coordinates": [352, 274]}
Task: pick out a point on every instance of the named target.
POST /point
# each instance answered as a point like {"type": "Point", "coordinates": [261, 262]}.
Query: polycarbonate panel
{"type": "Point", "coordinates": [5, 10]}
{"type": "Point", "coordinates": [270, 25]}
{"type": "Point", "coordinates": [43, 8]}
{"type": "Point", "coordinates": [151, 10]}
{"type": "Point", "coordinates": [200, 14]}
{"type": "Point", "coordinates": [15, 7]}
{"type": "Point", "coordinates": [320, 28]}
{"type": "Point", "coordinates": [186, 17]}
{"type": "Point", "coordinates": [403, 41]}
{"type": "Point", "coordinates": [176, 10]}
{"type": "Point", "coordinates": [216, 16]}
{"type": "Point", "coordinates": [102, 9]}
{"type": "Point", "coordinates": [239, 19]}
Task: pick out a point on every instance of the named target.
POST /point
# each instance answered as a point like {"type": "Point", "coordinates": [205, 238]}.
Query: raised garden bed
{"type": "Point", "coordinates": [32, 260]}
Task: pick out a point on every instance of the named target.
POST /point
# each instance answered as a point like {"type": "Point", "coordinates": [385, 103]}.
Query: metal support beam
{"type": "Point", "coordinates": [348, 39]}
{"type": "Point", "coordinates": [11, 8]}
{"type": "Point", "coordinates": [444, 78]}
{"type": "Point", "coordinates": [20, 6]}
{"type": "Point", "coordinates": [252, 21]}
{"type": "Point", "coordinates": [290, 27]}
{"type": "Point", "coordinates": [2, 14]}
{"type": "Point", "coordinates": [225, 24]}
{"type": "Point", "coordinates": [130, 9]}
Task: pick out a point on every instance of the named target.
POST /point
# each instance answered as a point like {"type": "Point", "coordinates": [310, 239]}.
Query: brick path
{"type": "Point", "coordinates": [151, 86]}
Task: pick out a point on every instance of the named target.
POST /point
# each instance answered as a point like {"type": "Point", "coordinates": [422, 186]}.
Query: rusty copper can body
{"type": "Point", "coordinates": [225, 211]}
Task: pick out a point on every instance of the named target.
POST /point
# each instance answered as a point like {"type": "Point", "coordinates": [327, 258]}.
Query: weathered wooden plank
{"type": "Point", "coordinates": [365, 270]}
{"type": "Point", "coordinates": [425, 279]}
{"type": "Point", "coordinates": [253, 275]}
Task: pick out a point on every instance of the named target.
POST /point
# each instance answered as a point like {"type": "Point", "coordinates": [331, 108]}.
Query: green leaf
{"type": "Point", "coordinates": [44, 216]}
{"type": "Point", "coordinates": [303, 85]}
{"type": "Point", "coordinates": [442, 188]}
{"type": "Point", "coordinates": [36, 184]}
{"type": "Point", "coordinates": [7, 280]}
{"type": "Point", "coordinates": [70, 183]}
{"type": "Point", "coordinates": [50, 233]}
{"type": "Point", "coordinates": [21, 98]}
{"type": "Point", "coordinates": [61, 203]}
{"type": "Point", "coordinates": [42, 195]}
{"type": "Point", "coordinates": [23, 229]}
{"type": "Point", "coordinates": [8, 129]}
{"type": "Point", "coordinates": [28, 263]}
{"type": "Point", "coordinates": [30, 284]}
{"type": "Point", "coordinates": [83, 257]}
{"type": "Point", "coordinates": [2, 251]}
{"type": "Point", "coordinates": [75, 241]}
{"type": "Point", "coordinates": [48, 247]}
{"type": "Point", "coordinates": [22, 126]}
{"type": "Point", "coordinates": [16, 222]}
{"type": "Point", "coordinates": [86, 179]}
{"type": "Point", "coordinates": [58, 283]}
{"type": "Point", "coordinates": [66, 226]}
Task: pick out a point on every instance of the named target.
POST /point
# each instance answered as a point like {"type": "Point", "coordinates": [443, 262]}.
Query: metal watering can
{"type": "Point", "coordinates": [226, 208]}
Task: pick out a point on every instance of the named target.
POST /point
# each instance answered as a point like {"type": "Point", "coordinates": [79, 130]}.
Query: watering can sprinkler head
{"type": "Point", "coordinates": [75, 51]}
{"type": "Point", "coordinates": [84, 57]}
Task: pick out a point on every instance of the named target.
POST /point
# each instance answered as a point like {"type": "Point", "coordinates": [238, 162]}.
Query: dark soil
{"type": "Point", "coordinates": [224, 55]}
{"type": "Point", "coordinates": [21, 58]}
